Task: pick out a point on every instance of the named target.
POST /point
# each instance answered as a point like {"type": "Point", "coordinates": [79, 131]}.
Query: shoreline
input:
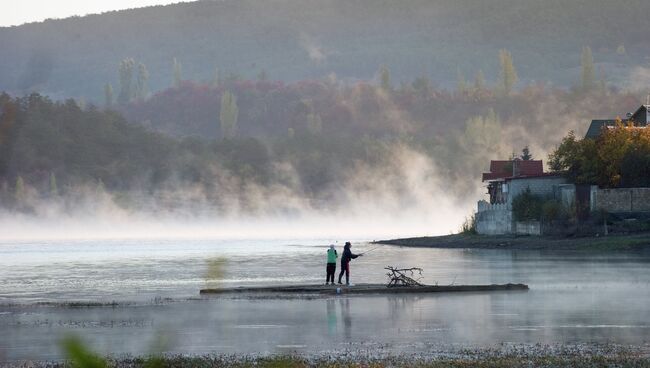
{"type": "Point", "coordinates": [618, 242]}
{"type": "Point", "coordinates": [366, 355]}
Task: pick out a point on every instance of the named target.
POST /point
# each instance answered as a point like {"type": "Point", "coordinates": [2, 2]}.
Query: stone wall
{"type": "Point", "coordinates": [493, 219]}
{"type": "Point", "coordinates": [621, 200]}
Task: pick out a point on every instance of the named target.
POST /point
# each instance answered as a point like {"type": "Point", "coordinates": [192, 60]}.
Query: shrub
{"type": "Point", "coordinates": [469, 225]}
{"type": "Point", "coordinates": [527, 207]}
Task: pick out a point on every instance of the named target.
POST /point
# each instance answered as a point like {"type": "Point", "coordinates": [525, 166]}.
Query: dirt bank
{"type": "Point", "coordinates": [635, 241]}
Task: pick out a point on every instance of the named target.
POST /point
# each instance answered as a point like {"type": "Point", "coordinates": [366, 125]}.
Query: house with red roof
{"type": "Point", "coordinates": [505, 181]}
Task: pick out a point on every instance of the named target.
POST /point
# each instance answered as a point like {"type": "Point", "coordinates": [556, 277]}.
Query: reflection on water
{"type": "Point", "coordinates": [574, 298]}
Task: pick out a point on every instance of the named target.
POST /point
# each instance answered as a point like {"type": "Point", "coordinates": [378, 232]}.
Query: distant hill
{"type": "Point", "coordinates": [298, 39]}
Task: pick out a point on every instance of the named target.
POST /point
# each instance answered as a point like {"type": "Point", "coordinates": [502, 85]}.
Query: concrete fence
{"type": "Point", "coordinates": [493, 219]}
{"type": "Point", "coordinates": [621, 200]}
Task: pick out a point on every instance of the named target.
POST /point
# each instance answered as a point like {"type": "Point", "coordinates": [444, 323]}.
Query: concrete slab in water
{"type": "Point", "coordinates": [364, 289]}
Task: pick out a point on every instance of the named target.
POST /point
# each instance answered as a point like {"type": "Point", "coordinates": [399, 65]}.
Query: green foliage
{"type": "Point", "coordinates": [314, 123]}
{"type": "Point", "coordinates": [508, 73]}
{"type": "Point", "coordinates": [108, 96]}
{"type": "Point", "coordinates": [527, 206]}
{"type": "Point", "coordinates": [619, 157]}
{"type": "Point", "coordinates": [141, 87]}
{"type": "Point", "coordinates": [177, 70]}
{"type": "Point", "coordinates": [54, 189]}
{"type": "Point", "coordinates": [228, 115]}
{"type": "Point", "coordinates": [588, 71]}
{"type": "Point", "coordinates": [525, 154]}
{"type": "Point", "coordinates": [80, 356]}
{"type": "Point", "coordinates": [461, 84]}
{"type": "Point", "coordinates": [127, 89]}
{"type": "Point", "coordinates": [553, 211]}
{"type": "Point", "coordinates": [19, 191]}
{"type": "Point", "coordinates": [469, 225]}
{"type": "Point", "coordinates": [479, 81]}
{"type": "Point", "coordinates": [263, 75]}
{"type": "Point", "coordinates": [384, 78]}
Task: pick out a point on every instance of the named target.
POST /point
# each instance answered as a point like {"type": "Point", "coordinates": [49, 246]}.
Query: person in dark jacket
{"type": "Point", "coordinates": [345, 262]}
{"type": "Point", "coordinates": [331, 264]}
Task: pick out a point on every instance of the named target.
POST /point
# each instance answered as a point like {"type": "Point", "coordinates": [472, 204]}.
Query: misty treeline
{"type": "Point", "coordinates": [300, 39]}
{"type": "Point", "coordinates": [251, 146]}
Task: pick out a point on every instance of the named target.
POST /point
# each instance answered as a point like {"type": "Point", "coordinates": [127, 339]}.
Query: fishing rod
{"type": "Point", "coordinates": [368, 251]}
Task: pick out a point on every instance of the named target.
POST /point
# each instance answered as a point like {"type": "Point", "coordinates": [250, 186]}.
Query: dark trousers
{"type": "Point", "coordinates": [345, 268]}
{"type": "Point", "coordinates": [331, 270]}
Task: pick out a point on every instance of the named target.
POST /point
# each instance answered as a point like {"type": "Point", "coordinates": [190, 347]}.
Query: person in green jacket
{"type": "Point", "coordinates": [331, 264]}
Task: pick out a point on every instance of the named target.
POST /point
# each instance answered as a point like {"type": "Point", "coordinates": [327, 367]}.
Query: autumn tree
{"type": "Point", "coordinates": [384, 78]}
{"type": "Point", "coordinates": [588, 72]}
{"type": "Point", "coordinates": [108, 96]}
{"type": "Point", "coordinates": [461, 83]}
{"type": "Point", "coordinates": [508, 74]}
{"type": "Point", "coordinates": [228, 115]}
{"type": "Point", "coordinates": [177, 70]}
{"type": "Point", "coordinates": [127, 89]}
{"type": "Point", "coordinates": [479, 81]}
{"type": "Point", "coordinates": [141, 87]}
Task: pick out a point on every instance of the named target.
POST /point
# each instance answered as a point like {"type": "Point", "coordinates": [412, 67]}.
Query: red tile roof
{"type": "Point", "coordinates": [501, 169]}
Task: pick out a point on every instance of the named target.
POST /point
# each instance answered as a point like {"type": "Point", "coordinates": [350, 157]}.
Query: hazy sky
{"type": "Point", "coordinates": [16, 12]}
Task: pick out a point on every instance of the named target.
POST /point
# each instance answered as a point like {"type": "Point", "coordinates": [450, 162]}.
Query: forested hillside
{"type": "Point", "coordinates": [251, 146]}
{"type": "Point", "coordinates": [291, 40]}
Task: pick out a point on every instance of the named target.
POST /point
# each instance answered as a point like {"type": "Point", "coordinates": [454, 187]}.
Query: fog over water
{"type": "Point", "coordinates": [573, 298]}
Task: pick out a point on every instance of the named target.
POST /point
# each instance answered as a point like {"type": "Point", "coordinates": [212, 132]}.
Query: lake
{"type": "Point", "coordinates": [574, 298]}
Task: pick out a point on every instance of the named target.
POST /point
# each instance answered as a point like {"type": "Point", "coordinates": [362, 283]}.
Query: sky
{"type": "Point", "coordinates": [16, 12]}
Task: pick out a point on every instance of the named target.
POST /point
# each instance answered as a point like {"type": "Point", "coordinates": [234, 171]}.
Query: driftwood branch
{"type": "Point", "coordinates": [398, 276]}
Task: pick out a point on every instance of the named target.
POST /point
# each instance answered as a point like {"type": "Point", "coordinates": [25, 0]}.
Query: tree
{"type": "Point", "coordinates": [461, 82]}
{"type": "Point", "coordinates": [621, 49]}
{"type": "Point", "coordinates": [141, 88]}
{"type": "Point", "coordinates": [588, 71]}
{"type": "Point", "coordinates": [384, 78]}
{"type": "Point", "coordinates": [178, 72]}
{"type": "Point", "coordinates": [314, 123]}
{"type": "Point", "coordinates": [19, 192]}
{"type": "Point", "coordinates": [479, 81]}
{"type": "Point", "coordinates": [126, 81]}
{"type": "Point", "coordinates": [263, 75]}
{"type": "Point", "coordinates": [525, 154]}
{"type": "Point", "coordinates": [527, 206]}
{"type": "Point", "coordinates": [54, 190]}
{"type": "Point", "coordinates": [508, 74]}
{"type": "Point", "coordinates": [108, 96]}
{"type": "Point", "coordinates": [228, 115]}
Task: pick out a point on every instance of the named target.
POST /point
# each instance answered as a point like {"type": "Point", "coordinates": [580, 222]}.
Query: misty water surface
{"type": "Point", "coordinates": [574, 298]}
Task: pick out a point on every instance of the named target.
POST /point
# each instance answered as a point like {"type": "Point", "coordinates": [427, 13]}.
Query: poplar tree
{"type": "Point", "coordinates": [461, 82]}
{"type": "Point", "coordinates": [228, 115]}
{"type": "Point", "coordinates": [588, 71]}
{"type": "Point", "coordinates": [384, 78]}
{"type": "Point", "coordinates": [141, 87]}
{"type": "Point", "coordinates": [479, 80]}
{"type": "Point", "coordinates": [508, 73]}
{"type": "Point", "coordinates": [263, 75]}
{"type": "Point", "coordinates": [126, 81]}
{"type": "Point", "coordinates": [108, 96]}
{"type": "Point", "coordinates": [19, 191]}
{"type": "Point", "coordinates": [54, 189]}
{"type": "Point", "coordinates": [178, 73]}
